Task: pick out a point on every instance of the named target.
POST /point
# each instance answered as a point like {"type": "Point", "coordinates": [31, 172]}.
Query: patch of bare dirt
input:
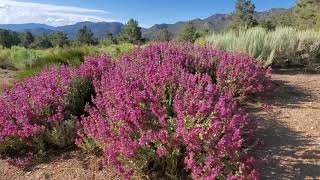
{"type": "Point", "coordinates": [66, 168]}
{"type": "Point", "coordinates": [290, 128]}
{"type": "Point", "coordinates": [6, 77]}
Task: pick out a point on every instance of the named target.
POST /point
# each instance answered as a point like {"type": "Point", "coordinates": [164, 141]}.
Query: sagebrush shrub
{"type": "Point", "coordinates": [168, 107]}
{"type": "Point", "coordinates": [284, 46]}
{"type": "Point", "coordinates": [160, 108]}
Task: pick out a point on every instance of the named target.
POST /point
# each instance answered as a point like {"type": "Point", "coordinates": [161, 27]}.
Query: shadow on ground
{"type": "Point", "coordinates": [286, 153]}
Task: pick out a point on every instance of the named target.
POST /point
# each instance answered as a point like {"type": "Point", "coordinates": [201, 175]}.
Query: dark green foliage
{"type": "Point", "coordinates": [57, 135]}
{"type": "Point", "coordinates": [108, 40]}
{"type": "Point", "coordinates": [41, 42]}
{"type": "Point", "coordinates": [243, 16]}
{"type": "Point", "coordinates": [79, 94]}
{"type": "Point", "coordinates": [70, 56]}
{"type": "Point", "coordinates": [61, 134]}
{"type": "Point", "coordinates": [307, 13]}
{"type": "Point", "coordinates": [131, 33]}
{"type": "Point", "coordinates": [59, 39]}
{"type": "Point", "coordinates": [284, 19]}
{"type": "Point", "coordinates": [85, 36]}
{"type": "Point", "coordinates": [162, 35]}
{"type": "Point", "coordinates": [187, 33]}
{"type": "Point", "coordinates": [26, 39]}
{"type": "Point", "coordinates": [267, 24]}
{"type": "Point", "coordinates": [8, 38]}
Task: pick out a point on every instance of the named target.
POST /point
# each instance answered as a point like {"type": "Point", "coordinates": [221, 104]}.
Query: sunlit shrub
{"type": "Point", "coordinates": [241, 76]}
{"type": "Point", "coordinates": [41, 111]}
{"type": "Point", "coordinates": [159, 108]}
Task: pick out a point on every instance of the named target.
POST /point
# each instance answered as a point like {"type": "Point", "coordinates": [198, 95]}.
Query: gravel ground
{"type": "Point", "coordinates": [289, 126]}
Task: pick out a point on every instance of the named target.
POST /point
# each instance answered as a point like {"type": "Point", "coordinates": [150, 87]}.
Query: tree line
{"type": "Point", "coordinates": [304, 15]}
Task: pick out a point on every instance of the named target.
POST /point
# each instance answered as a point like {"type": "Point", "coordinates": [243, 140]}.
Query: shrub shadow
{"type": "Point", "coordinates": [285, 153]}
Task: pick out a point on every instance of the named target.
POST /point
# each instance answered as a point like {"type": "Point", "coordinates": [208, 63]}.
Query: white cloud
{"type": "Point", "coordinates": [15, 12]}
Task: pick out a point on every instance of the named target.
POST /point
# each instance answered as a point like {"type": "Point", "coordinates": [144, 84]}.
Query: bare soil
{"type": "Point", "coordinates": [6, 77]}
{"type": "Point", "coordinates": [290, 128]}
{"type": "Point", "coordinates": [288, 124]}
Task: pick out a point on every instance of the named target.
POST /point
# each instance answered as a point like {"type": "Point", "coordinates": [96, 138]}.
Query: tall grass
{"type": "Point", "coordinates": [116, 50]}
{"type": "Point", "coordinates": [4, 54]}
{"type": "Point", "coordinates": [284, 46]}
{"type": "Point", "coordinates": [22, 58]}
{"type": "Point", "coordinates": [72, 56]}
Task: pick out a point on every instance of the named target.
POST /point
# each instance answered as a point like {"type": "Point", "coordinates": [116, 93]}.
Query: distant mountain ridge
{"type": "Point", "coordinates": [99, 29]}
{"type": "Point", "coordinates": [215, 22]}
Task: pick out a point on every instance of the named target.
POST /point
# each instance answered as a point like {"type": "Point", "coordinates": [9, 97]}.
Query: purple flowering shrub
{"type": "Point", "coordinates": [160, 108]}
{"type": "Point", "coordinates": [94, 66]}
{"type": "Point", "coordinates": [169, 106]}
{"type": "Point", "coordinates": [241, 75]}
{"type": "Point", "coordinates": [41, 110]}
{"type": "Point", "coordinates": [234, 72]}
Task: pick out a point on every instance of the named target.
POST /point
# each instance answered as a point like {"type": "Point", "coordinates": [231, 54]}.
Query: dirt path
{"type": "Point", "coordinates": [290, 129]}
{"type": "Point", "coordinates": [6, 77]}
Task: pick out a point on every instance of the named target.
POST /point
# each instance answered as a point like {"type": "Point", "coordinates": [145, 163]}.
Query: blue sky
{"type": "Point", "coordinates": [147, 12]}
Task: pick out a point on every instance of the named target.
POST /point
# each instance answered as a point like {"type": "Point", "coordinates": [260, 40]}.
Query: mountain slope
{"type": "Point", "coordinates": [99, 29]}
{"type": "Point", "coordinates": [215, 22]}
{"type": "Point", "coordinates": [24, 27]}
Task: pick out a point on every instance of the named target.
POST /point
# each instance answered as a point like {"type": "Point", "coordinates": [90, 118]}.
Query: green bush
{"type": "Point", "coordinates": [282, 47]}
{"type": "Point", "coordinates": [22, 58]}
{"type": "Point", "coordinates": [116, 50]}
{"type": "Point", "coordinates": [200, 41]}
{"type": "Point", "coordinates": [4, 55]}
{"type": "Point", "coordinates": [67, 56]}
{"type": "Point", "coordinates": [72, 56]}
{"type": "Point", "coordinates": [57, 134]}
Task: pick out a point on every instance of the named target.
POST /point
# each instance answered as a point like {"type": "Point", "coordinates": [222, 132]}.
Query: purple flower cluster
{"type": "Point", "coordinates": [155, 106]}
{"type": "Point", "coordinates": [169, 101]}
{"type": "Point", "coordinates": [242, 76]}
{"type": "Point", "coordinates": [27, 108]}
{"type": "Point", "coordinates": [94, 66]}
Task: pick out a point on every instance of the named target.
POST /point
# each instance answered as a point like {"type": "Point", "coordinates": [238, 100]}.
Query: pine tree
{"type": "Point", "coordinates": [8, 38]}
{"type": "Point", "coordinates": [131, 33]}
{"type": "Point", "coordinates": [187, 33]}
{"type": "Point", "coordinates": [108, 39]}
{"type": "Point", "coordinates": [85, 36]}
{"type": "Point", "coordinates": [162, 35]}
{"type": "Point", "coordinates": [26, 39]}
{"type": "Point", "coordinates": [41, 42]}
{"type": "Point", "coordinates": [59, 39]}
{"type": "Point", "coordinates": [243, 16]}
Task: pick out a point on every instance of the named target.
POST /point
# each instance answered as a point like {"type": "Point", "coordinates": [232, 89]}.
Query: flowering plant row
{"type": "Point", "coordinates": [167, 106]}
{"type": "Point", "coordinates": [42, 110]}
